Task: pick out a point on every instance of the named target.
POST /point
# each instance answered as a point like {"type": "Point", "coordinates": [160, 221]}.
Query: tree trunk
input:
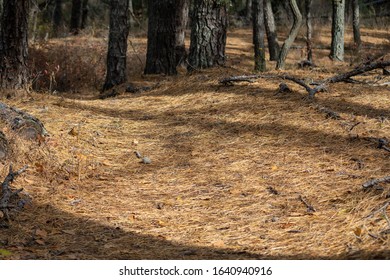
{"type": "Point", "coordinates": [57, 17]}
{"type": "Point", "coordinates": [160, 57]}
{"type": "Point", "coordinates": [356, 24]}
{"type": "Point", "coordinates": [291, 37]}
{"type": "Point", "coordinates": [337, 46]}
{"type": "Point", "coordinates": [248, 7]}
{"type": "Point", "coordinates": [84, 14]}
{"type": "Point", "coordinates": [117, 43]}
{"type": "Point", "coordinates": [309, 31]}
{"type": "Point", "coordinates": [131, 11]}
{"type": "Point", "coordinates": [259, 34]}
{"type": "Point", "coordinates": [14, 45]}
{"type": "Point", "coordinates": [270, 28]}
{"type": "Point", "coordinates": [75, 18]}
{"type": "Point", "coordinates": [181, 24]}
{"type": "Point", "coordinates": [208, 34]}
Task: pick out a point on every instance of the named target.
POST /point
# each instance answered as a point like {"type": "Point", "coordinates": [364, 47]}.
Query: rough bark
{"type": "Point", "coordinates": [181, 24]}
{"type": "Point", "coordinates": [356, 24]}
{"type": "Point", "coordinates": [57, 17]}
{"type": "Point", "coordinates": [208, 34]}
{"type": "Point", "coordinates": [117, 44]}
{"type": "Point", "coordinates": [309, 31]}
{"type": "Point", "coordinates": [291, 37]}
{"type": "Point", "coordinates": [337, 45]}
{"type": "Point", "coordinates": [75, 18]}
{"type": "Point", "coordinates": [161, 55]}
{"type": "Point", "coordinates": [14, 45]}
{"type": "Point", "coordinates": [269, 20]}
{"type": "Point", "coordinates": [259, 34]}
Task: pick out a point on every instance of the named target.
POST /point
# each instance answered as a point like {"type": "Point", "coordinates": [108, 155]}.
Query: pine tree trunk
{"type": "Point", "coordinates": [291, 37]}
{"type": "Point", "coordinates": [258, 34]}
{"type": "Point", "coordinates": [309, 31]}
{"type": "Point", "coordinates": [248, 7]}
{"type": "Point", "coordinates": [84, 14]}
{"type": "Point", "coordinates": [160, 57]}
{"type": "Point", "coordinates": [337, 45]}
{"type": "Point", "coordinates": [356, 24]}
{"type": "Point", "coordinates": [181, 24]}
{"type": "Point", "coordinates": [208, 34]}
{"type": "Point", "coordinates": [75, 19]}
{"type": "Point", "coordinates": [57, 17]}
{"type": "Point", "coordinates": [117, 44]}
{"type": "Point", "coordinates": [270, 28]}
{"type": "Point", "coordinates": [14, 45]}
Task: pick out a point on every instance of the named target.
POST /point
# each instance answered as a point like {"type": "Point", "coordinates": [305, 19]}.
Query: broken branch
{"type": "Point", "coordinates": [374, 182]}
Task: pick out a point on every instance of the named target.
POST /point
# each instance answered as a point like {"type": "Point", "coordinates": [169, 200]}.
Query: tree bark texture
{"type": "Point", "coordinates": [161, 55]}
{"type": "Point", "coordinates": [181, 24]}
{"type": "Point", "coordinates": [269, 20]}
{"type": "Point", "coordinates": [57, 17]}
{"type": "Point", "coordinates": [117, 44]}
{"type": "Point", "coordinates": [337, 45]}
{"type": "Point", "coordinates": [208, 34]}
{"type": "Point", "coordinates": [356, 24]}
{"type": "Point", "coordinates": [258, 34]}
{"type": "Point", "coordinates": [309, 31]}
{"type": "Point", "coordinates": [291, 37]}
{"type": "Point", "coordinates": [14, 44]}
{"type": "Point", "coordinates": [75, 18]}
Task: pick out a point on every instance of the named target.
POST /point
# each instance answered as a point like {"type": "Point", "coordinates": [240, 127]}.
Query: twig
{"type": "Point", "coordinates": [374, 182]}
{"type": "Point", "coordinates": [309, 207]}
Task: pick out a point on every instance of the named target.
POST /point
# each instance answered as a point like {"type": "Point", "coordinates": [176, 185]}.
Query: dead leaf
{"type": "Point", "coordinates": [274, 168]}
{"type": "Point", "coordinates": [162, 223]}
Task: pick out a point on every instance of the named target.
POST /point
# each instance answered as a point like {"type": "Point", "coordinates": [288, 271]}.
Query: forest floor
{"type": "Point", "coordinates": [230, 164]}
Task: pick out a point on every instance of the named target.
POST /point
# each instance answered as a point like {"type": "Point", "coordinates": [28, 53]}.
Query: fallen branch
{"type": "Point", "coordinates": [309, 207]}
{"type": "Point", "coordinates": [7, 193]}
{"type": "Point", "coordinates": [382, 143]}
{"type": "Point", "coordinates": [375, 182]}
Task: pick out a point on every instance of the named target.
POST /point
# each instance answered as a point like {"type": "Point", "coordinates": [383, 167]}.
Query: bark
{"type": "Point", "coordinates": [337, 46]}
{"type": "Point", "coordinates": [14, 45]}
{"type": "Point", "coordinates": [57, 17]}
{"type": "Point", "coordinates": [84, 14]}
{"type": "Point", "coordinates": [273, 45]}
{"type": "Point", "coordinates": [75, 19]}
{"type": "Point", "coordinates": [259, 34]}
{"type": "Point", "coordinates": [309, 31]}
{"type": "Point", "coordinates": [248, 7]}
{"type": "Point", "coordinates": [181, 24]}
{"type": "Point", "coordinates": [356, 24]}
{"type": "Point", "coordinates": [291, 37]}
{"type": "Point", "coordinates": [161, 55]}
{"type": "Point", "coordinates": [208, 34]}
{"type": "Point", "coordinates": [131, 11]}
{"type": "Point", "coordinates": [117, 44]}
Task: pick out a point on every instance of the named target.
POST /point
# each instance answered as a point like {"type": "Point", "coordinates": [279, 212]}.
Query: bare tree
{"type": "Point", "coordinates": [117, 43]}
{"type": "Point", "coordinates": [14, 44]}
{"type": "Point", "coordinates": [293, 34]}
{"type": "Point", "coordinates": [338, 20]}
{"type": "Point", "coordinates": [258, 34]}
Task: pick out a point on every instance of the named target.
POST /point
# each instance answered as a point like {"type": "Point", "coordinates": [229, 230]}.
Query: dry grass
{"type": "Point", "coordinates": [217, 153]}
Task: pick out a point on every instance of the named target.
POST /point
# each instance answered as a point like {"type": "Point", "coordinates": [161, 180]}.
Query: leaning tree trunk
{"type": "Point", "coordinates": [57, 17]}
{"type": "Point", "coordinates": [14, 45]}
{"type": "Point", "coordinates": [270, 28]}
{"type": "Point", "coordinates": [291, 37]}
{"type": "Point", "coordinates": [337, 45]}
{"type": "Point", "coordinates": [208, 34]}
{"type": "Point", "coordinates": [160, 56]}
{"type": "Point", "coordinates": [259, 34]}
{"type": "Point", "coordinates": [356, 24]}
{"type": "Point", "coordinates": [75, 18]}
{"type": "Point", "coordinates": [309, 31]}
{"type": "Point", "coordinates": [181, 24]}
{"type": "Point", "coordinates": [117, 44]}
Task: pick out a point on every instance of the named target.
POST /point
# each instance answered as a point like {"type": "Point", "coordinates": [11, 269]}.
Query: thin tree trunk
{"type": "Point", "coordinates": [356, 24]}
{"type": "Point", "coordinates": [75, 19]}
{"type": "Point", "coordinates": [248, 7]}
{"type": "Point", "coordinates": [270, 28]}
{"type": "Point", "coordinates": [117, 43]}
{"type": "Point", "coordinates": [309, 31]}
{"type": "Point", "coordinates": [57, 17]}
{"type": "Point", "coordinates": [337, 45]}
{"type": "Point", "coordinates": [291, 37]}
{"type": "Point", "coordinates": [181, 24]}
{"type": "Point", "coordinates": [160, 57]}
{"type": "Point", "coordinates": [14, 44]}
{"type": "Point", "coordinates": [208, 34]}
{"type": "Point", "coordinates": [259, 34]}
{"type": "Point", "coordinates": [131, 11]}
{"type": "Point", "coordinates": [84, 14]}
